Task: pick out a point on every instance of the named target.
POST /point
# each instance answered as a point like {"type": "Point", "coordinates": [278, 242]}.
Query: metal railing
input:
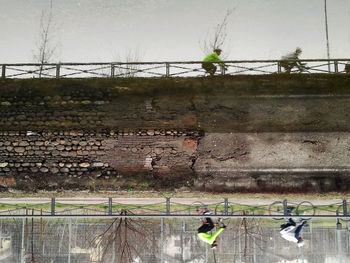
{"type": "Point", "coordinates": [163, 69]}
{"type": "Point", "coordinates": [170, 208]}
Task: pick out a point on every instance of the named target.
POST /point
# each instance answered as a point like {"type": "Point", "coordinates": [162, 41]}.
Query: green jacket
{"type": "Point", "coordinates": [207, 238]}
{"type": "Point", "coordinates": [213, 57]}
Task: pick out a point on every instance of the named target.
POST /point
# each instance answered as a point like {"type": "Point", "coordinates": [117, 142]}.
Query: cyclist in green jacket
{"type": "Point", "coordinates": [207, 226]}
{"type": "Point", "coordinates": [208, 64]}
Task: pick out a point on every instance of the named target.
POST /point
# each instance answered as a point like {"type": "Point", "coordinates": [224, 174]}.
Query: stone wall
{"type": "Point", "coordinates": [66, 160]}
{"type": "Point", "coordinates": [243, 133]}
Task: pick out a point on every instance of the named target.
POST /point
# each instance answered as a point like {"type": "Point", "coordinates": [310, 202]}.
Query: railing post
{"type": "Point", "coordinates": [112, 70]}
{"type": "Point", "coordinates": [279, 69]}
{"type": "Point", "coordinates": [167, 69]}
{"type": "Point", "coordinates": [53, 206]}
{"type": "Point", "coordinates": [168, 205]}
{"type": "Point", "coordinates": [345, 209]}
{"type": "Point", "coordinates": [285, 208]}
{"type": "Point", "coordinates": [226, 205]}
{"type": "Point", "coordinates": [58, 68]}
{"type": "Point", "coordinates": [336, 70]}
{"type": "Point", "coordinates": [110, 207]}
{"type": "Point", "coordinates": [222, 70]}
{"type": "Point", "coordinates": [3, 71]}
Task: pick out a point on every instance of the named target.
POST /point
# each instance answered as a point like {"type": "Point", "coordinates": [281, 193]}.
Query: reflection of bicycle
{"type": "Point", "coordinates": [304, 209]}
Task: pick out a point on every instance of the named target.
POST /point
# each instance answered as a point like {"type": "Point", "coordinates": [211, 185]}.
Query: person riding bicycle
{"type": "Point", "coordinates": [207, 226]}
{"type": "Point", "coordinates": [291, 60]}
{"type": "Point", "coordinates": [208, 64]}
{"type": "Point", "coordinates": [291, 232]}
{"type": "Point", "coordinates": [347, 67]}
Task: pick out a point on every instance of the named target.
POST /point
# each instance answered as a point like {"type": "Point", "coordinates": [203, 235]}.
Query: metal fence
{"type": "Point", "coordinates": [170, 207]}
{"type": "Point", "coordinates": [163, 69]}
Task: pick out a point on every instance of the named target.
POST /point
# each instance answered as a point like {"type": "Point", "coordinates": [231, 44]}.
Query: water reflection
{"type": "Point", "coordinates": [167, 240]}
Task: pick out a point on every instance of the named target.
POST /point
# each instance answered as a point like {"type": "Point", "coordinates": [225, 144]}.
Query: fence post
{"type": "Point", "coordinates": [223, 70]}
{"type": "Point", "coordinates": [53, 206]}
{"type": "Point", "coordinates": [112, 70]}
{"type": "Point", "coordinates": [110, 208]}
{"type": "Point", "coordinates": [345, 209]}
{"type": "Point", "coordinates": [285, 208]}
{"type": "Point", "coordinates": [3, 71]}
{"type": "Point", "coordinates": [279, 70]}
{"type": "Point", "coordinates": [168, 205]}
{"type": "Point", "coordinates": [58, 68]}
{"type": "Point", "coordinates": [167, 69]}
{"type": "Point", "coordinates": [336, 70]}
{"type": "Point", "coordinates": [226, 205]}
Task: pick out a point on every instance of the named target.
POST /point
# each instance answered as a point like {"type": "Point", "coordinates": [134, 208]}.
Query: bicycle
{"type": "Point", "coordinates": [304, 209]}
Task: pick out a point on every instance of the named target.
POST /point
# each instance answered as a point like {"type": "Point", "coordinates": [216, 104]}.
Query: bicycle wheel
{"type": "Point", "coordinates": [194, 207]}
{"type": "Point", "coordinates": [340, 212]}
{"type": "Point", "coordinates": [306, 210]}
{"type": "Point", "coordinates": [276, 209]}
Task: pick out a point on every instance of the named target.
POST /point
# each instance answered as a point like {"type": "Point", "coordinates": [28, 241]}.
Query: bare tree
{"type": "Point", "coordinates": [131, 55]}
{"type": "Point", "coordinates": [123, 235]}
{"type": "Point", "coordinates": [45, 49]}
{"type": "Point", "coordinates": [217, 36]}
{"type": "Point", "coordinates": [249, 231]}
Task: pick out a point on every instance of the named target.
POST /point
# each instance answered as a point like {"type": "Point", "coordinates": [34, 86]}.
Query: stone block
{"type": "Point", "coordinates": [97, 164]}
{"type": "Point", "coordinates": [64, 170]}
{"type": "Point", "coordinates": [39, 143]}
{"type": "Point", "coordinates": [23, 143]}
{"type": "Point", "coordinates": [44, 169]}
{"type": "Point", "coordinates": [84, 165]}
{"type": "Point", "coordinates": [4, 164]}
{"type": "Point", "coordinates": [19, 149]}
{"type": "Point", "coordinates": [54, 170]}
{"type": "Point", "coordinates": [83, 143]}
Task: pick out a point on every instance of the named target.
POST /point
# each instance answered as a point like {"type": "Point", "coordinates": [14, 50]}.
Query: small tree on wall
{"type": "Point", "coordinates": [217, 36]}
{"type": "Point", "coordinates": [130, 55]}
{"type": "Point", "coordinates": [45, 48]}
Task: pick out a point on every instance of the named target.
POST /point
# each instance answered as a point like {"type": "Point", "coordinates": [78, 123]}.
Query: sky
{"type": "Point", "coordinates": [173, 30]}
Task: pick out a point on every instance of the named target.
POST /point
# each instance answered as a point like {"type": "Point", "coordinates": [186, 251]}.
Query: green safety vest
{"type": "Point", "coordinates": [207, 238]}
{"type": "Point", "coordinates": [213, 57]}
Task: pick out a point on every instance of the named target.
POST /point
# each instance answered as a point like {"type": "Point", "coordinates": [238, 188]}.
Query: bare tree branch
{"type": "Point", "coordinates": [127, 233]}
{"type": "Point", "coordinates": [45, 49]}
{"type": "Point", "coordinates": [216, 37]}
{"type": "Point", "coordinates": [130, 55]}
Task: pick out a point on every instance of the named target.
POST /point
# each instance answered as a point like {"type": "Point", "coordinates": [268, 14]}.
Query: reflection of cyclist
{"type": "Point", "coordinates": [291, 60]}
{"type": "Point", "coordinates": [291, 232]}
{"type": "Point", "coordinates": [206, 227]}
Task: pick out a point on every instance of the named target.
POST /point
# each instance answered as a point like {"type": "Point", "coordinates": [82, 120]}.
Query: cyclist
{"type": "Point", "coordinates": [291, 232]}
{"type": "Point", "coordinates": [347, 67]}
{"type": "Point", "coordinates": [208, 64]}
{"type": "Point", "coordinates": [291, 60]}
{"type": "Point", "coordinates": [207, 226]}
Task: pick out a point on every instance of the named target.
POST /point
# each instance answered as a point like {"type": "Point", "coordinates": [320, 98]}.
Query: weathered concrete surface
{"type": "Point", "coordinates": [286, 103]}
{"type": "Point", "coordinates": [273, 133]}
{"type": "Point", "coordinates": [274, 162]}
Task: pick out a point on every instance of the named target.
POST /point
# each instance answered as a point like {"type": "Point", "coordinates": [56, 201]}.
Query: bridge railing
{"type": "Point", "coordinates": [163, 69]}
{"type": "Point", "coordinates": [172, 208]}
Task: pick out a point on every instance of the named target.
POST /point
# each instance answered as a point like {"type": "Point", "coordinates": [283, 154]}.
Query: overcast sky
{"type": "Point", "coordinates": [170, 30]}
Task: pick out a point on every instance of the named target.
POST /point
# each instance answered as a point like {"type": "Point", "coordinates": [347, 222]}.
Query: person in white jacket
{"type": "Point", "coordinates": [291, 60]}
{"type": "Point", "coordinates": [291, 232]}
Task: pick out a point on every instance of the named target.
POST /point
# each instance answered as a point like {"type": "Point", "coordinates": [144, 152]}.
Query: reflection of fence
{"type": "Point", "coordinates": [162, 69]}
{"type": "Point", "coordinates": [169, 207]}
